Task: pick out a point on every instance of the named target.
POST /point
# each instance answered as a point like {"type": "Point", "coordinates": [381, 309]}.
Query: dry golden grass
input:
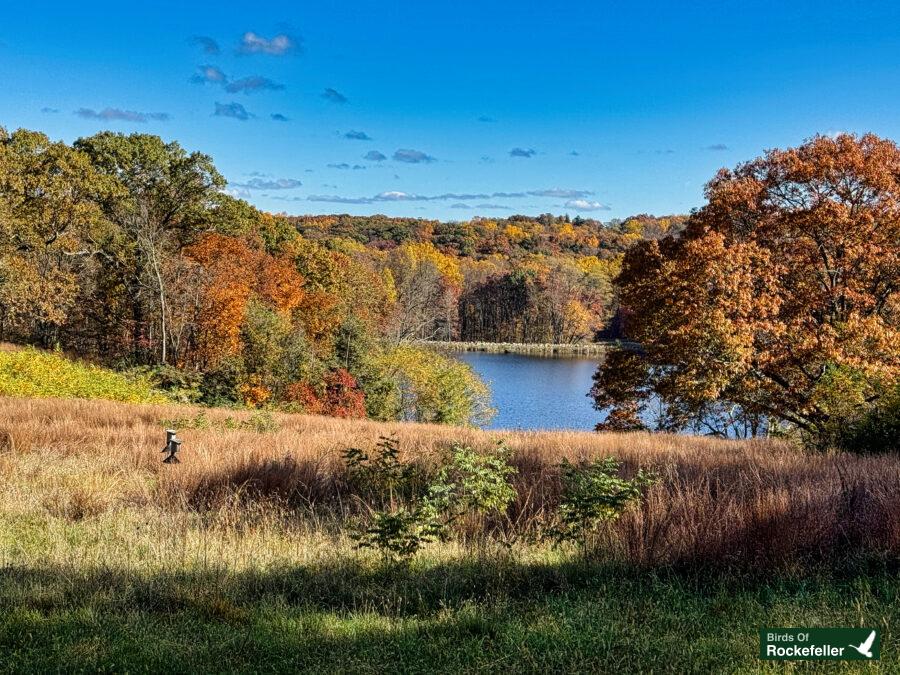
{"type": "Point", "coordinates": [750, 504]}
{"type": "Point", "coordinates": [239, 557]}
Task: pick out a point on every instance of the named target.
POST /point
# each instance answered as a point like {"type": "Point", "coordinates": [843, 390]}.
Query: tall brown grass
{"type": "Point", "coordinates": [726, 504]}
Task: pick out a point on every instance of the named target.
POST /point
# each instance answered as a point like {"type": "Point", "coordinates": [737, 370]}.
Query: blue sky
{"type": "Point", "coordinates": [479, 108]}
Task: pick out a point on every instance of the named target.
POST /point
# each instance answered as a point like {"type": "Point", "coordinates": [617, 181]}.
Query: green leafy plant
{"type": "Point", "coordinates": [182, 386]}
{"type": "Point", "coordinates": [198, 421]}
{"type": "Point", "coordinates": [262, 422]}
{"type": "Point", "coordinates": [593, 494]}
{"type": "Point", "coordinates": [399, 533]}
{"type": "Point", "coordinates": [472, 482]}
{"type": "Point", "coordinates": [875, 430]}
{"type": "Point", "coordinates": [381, 476]}
{"type": "Point", "coordinates": [469, 483]}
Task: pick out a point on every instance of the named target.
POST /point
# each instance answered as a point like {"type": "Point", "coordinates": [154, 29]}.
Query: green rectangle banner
{"type": "Point", "coordinates": [820, 644]}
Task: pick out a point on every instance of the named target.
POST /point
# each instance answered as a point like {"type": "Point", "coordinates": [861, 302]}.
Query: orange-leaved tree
{"type": "Point", "coordinates": [778, 307]}
{"type": "Point", "coordinates": [232, 273]}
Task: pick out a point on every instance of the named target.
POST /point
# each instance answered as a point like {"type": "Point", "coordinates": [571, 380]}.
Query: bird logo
{"type": "Point", "coordinates": [866, 647]}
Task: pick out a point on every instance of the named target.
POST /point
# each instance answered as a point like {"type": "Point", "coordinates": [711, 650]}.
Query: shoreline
{"type": "Point", "coordinates": [526, 348]}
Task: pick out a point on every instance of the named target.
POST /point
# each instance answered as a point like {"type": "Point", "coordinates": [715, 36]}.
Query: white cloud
{"type": "Point", "coordinates": [586, 205]}
{"type": "Point", "coordinates": [252, 43]}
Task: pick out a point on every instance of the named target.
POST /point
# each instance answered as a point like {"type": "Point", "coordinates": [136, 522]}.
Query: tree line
{"type": "Point", "coordinates": [127, 250]}
{"type": "Point", "coordinates": [544, 279]}
{"type": "Point", "coordinates": [774, 308]}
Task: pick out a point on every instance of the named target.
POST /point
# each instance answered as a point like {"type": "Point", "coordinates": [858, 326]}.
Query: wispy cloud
{"type": "Point", "coordinates": [50, 111]}
{"type": "Point", "coordinates": [240, 193]}
{"type": "Point", "coordinates": [374, 156]}
{"type": "Point", "coordinates": [561, 193]}
{"type": "Point", "coordinates": [207, 44]}
{"type": "Point", "coordinates": [357, 136]}
{"type": "Point", "coordinates": [253, 83]}
{"type": "Point", "coordinates": [401, 196]}
{"type": "Point", "coordinates": [233, 110]}
{"type": "Point", "coordinates": [413, 156]}
{"type": "Point", "coordinates": [278, 117]}
{"type": "Point", "coordinates": [252, 43]}
{"type": "Point", "coordinates": [334, 96]}
{"type": "Point", "coordinates": [210, 74]}
{"type": "Point", "coordinates": [269, 184]}
{"type": "Point", "coordinates": [492, 207]}
{"type": "Point", "coordinates": [345, 166]}
{"type": "Point", "coordinates": [586, 205]}
{"type": "Point", "coordinates": [334, 199]}
{"type": "Point", "coordinates": [117, 114]}
{"type": "Point", "coordinates": [396, 196]}
{"type": "Point", "coordinates": [717, 147]}
{"type": "Point", "coordinates": [522, 152]}
{"type": "Point", "coordinates": [460, 205]}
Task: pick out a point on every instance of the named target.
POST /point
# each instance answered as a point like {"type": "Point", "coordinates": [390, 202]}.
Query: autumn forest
{"type": "Point", "coordinates": [125, 249]}
{"type": "Point", "coordinates": [772, 310]}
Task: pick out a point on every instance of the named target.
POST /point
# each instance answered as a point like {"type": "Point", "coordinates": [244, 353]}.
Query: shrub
{"type": "Point", "coordinates": [876, 430]}
{"type": "Point", "coordinates": [262, 422]}
{"type": "Point", "coordinates": [433, 387]}
{"type": "Point", "coordinates": [220, 385]}
{"type": "Point", "coordinates": [198, 421]}
{"type": "Point", "coordinates": [472, 483]}
{"type": "Point", "coordinates": [381, 477]}
{"type": "Point", "coordinates": [468, 484]}
{"type": "Point", "coordinates": [398, 524]}
{"type": "Point", "coordinates": [593, 494]}
{"type": "Point", "coordinates": [182, 386]}
{"type": "Point", "coordinates": [399, 533]}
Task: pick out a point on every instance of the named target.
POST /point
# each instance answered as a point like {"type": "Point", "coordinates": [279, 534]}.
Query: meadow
{"type": "Point", "coordinates": [240, 557]}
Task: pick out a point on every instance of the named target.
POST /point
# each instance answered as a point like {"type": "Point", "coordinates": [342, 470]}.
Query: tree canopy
{"type": "Point", "coordinates": [778, 306]}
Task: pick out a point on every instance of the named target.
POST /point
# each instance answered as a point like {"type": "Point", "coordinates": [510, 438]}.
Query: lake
{"type": "Point", "coordinates": [534, 392]}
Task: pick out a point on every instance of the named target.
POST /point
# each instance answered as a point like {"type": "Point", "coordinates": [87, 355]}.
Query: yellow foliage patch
{"type": "Point", "coordinates": [35, 374]}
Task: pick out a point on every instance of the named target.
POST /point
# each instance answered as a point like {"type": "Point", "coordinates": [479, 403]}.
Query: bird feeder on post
{"type": "Point", "coordinates": [172, 447]}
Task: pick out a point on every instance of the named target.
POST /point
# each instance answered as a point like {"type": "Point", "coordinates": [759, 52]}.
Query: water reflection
{"type": "Point", "coordinates": [533, 392]}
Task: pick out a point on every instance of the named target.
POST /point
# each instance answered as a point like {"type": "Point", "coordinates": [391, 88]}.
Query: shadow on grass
{"type": "Point", "coordinates": [390, 589]}
{"type": "Point", "coordinates": [451, 616]}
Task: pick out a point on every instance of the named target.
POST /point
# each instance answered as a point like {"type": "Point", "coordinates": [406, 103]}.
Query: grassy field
{"type": "Point", "coordinates": [238, 559]}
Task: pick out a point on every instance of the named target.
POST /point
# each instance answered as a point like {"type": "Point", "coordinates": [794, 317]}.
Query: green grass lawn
{"type": "Point", "coordinates": [458, 616]}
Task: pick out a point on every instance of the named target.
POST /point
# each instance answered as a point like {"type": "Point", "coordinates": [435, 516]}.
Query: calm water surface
{"type": "Point", "coordinates": [533, 392]}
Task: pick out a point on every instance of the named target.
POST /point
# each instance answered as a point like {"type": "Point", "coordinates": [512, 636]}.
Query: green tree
{"type": "Point", "coordinates": [432, 387]}
{"type": "Point", "coordinates": [168, 195]}
{"type": "Point", "coordinates": [50, 227]}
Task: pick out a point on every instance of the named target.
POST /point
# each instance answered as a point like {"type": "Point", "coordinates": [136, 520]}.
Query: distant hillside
{"type": "Point", "coordinates": [545, 279]}
{"type": "Point", "coordinates": [516, 235]}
